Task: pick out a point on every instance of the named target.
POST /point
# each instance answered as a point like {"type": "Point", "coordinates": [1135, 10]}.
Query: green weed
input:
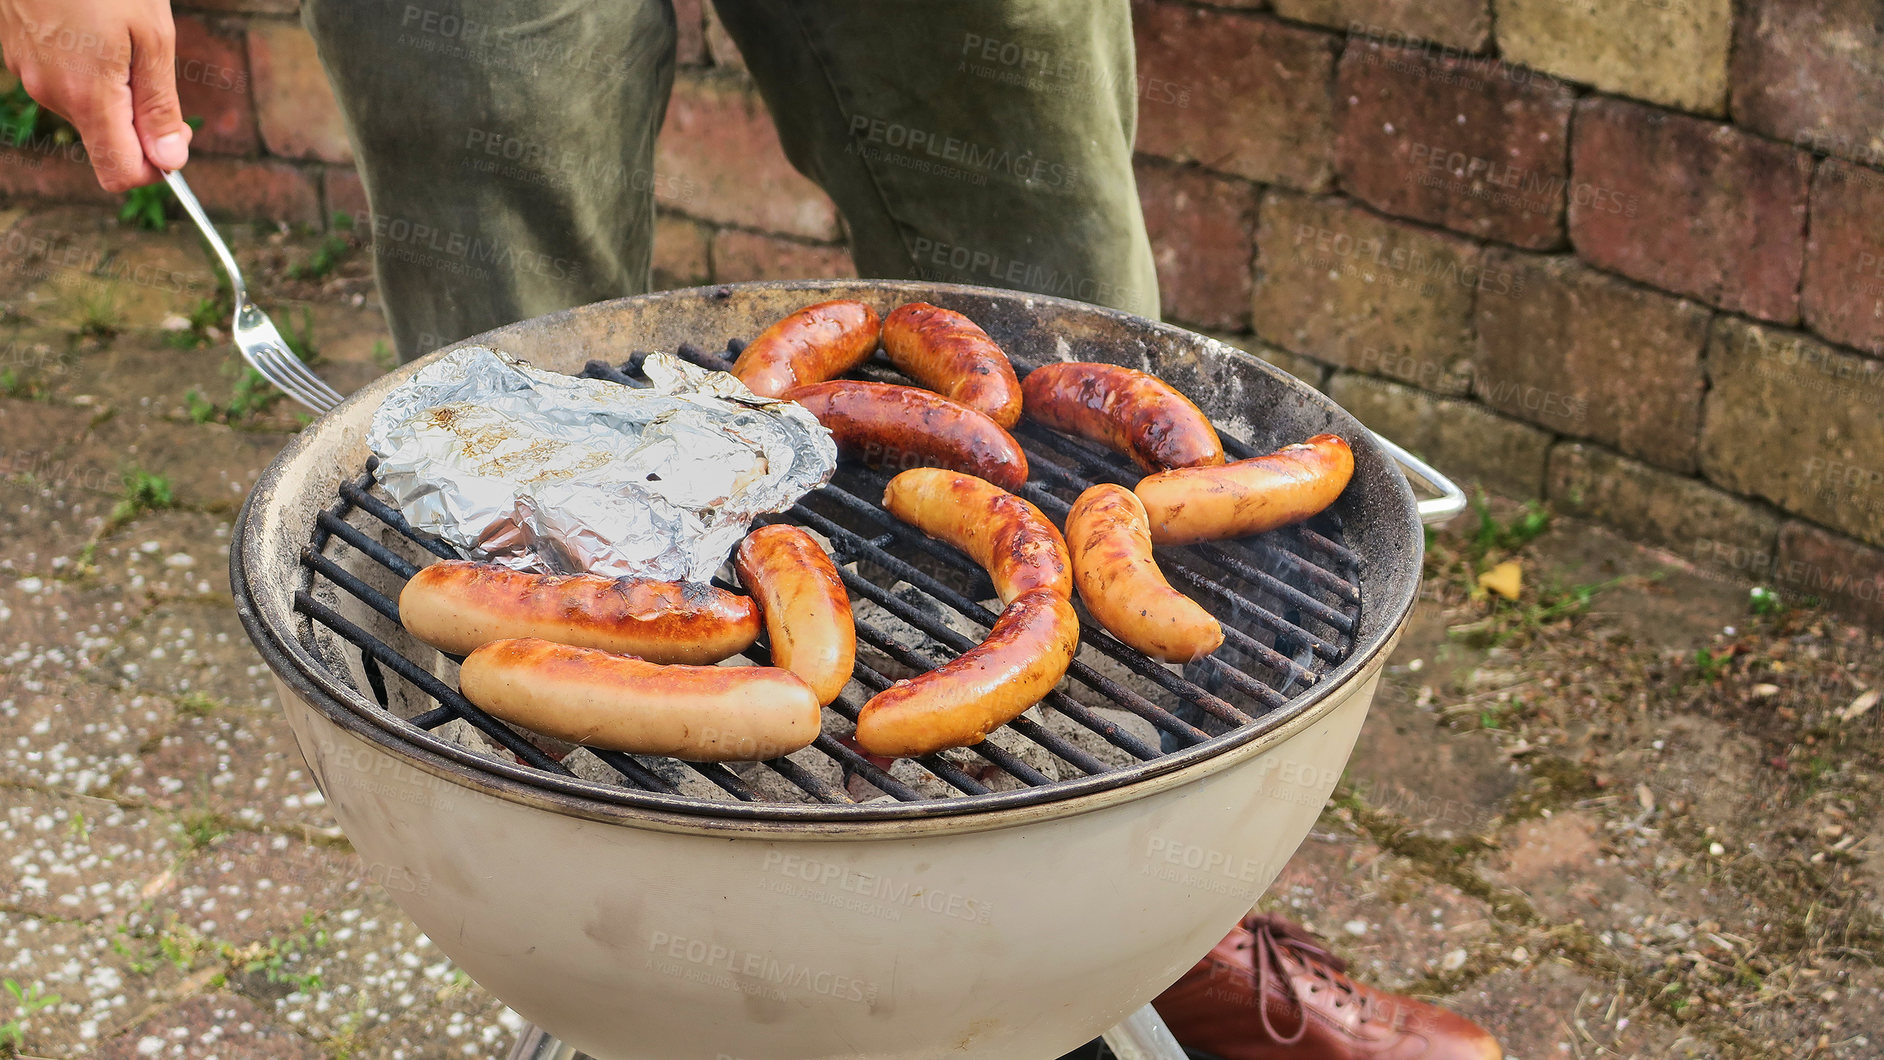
{"type": "Point", "coordinates": [143, 492]}
{"type": "Point", "coordinates": [26, 1002]}
{"type": "Point", "coordinates": [147, 207]}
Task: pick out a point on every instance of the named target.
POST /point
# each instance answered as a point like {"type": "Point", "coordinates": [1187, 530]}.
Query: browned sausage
{"type": "Point", "coordinates": [695, 713]}
{"type": "Point", "coordinates": [1124, 409]}
{"type": "Point", "coordinates": [807, 612]}
{"type": "Point", "coordinates": [456, 606]}
{"type": "Point", "coordinates": [1025, 655]}
{"type": "Point", "coordinates": [903, 426]}
{"type": "Point", "coordinates": [812, 345]}
{"type": "Point", "coordinates": [1249, 496]}
{"type": "Point", "coordinates": [947, 352]}
{"type": "Point", "coordinates": [1019, 547]}
{"type": "Point", "coordinates": [1110, 541]}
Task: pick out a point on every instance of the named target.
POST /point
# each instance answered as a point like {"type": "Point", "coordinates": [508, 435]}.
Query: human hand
{"type": "Point", "coordinates": [110, 68]}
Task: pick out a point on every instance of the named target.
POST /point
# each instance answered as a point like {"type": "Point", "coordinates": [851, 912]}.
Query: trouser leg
{"type": "Point", "coordinates": [975, 141]}
{"type": "Point", "coordinates": [507, 148]}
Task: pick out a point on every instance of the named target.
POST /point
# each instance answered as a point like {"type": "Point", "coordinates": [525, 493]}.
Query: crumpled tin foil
{"type": "Point", "coordinates": [547, 472]}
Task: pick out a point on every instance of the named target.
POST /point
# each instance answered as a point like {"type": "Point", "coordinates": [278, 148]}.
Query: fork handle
{"type": "Point", "coordinates": [174, 178]}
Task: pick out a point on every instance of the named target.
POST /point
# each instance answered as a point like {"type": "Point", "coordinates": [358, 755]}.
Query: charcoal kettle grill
{"type": "Point", "coordinates": [1010, 900]}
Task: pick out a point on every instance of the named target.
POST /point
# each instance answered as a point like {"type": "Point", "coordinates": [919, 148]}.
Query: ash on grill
{"type": "Point", "coordinates": [1288, 602]}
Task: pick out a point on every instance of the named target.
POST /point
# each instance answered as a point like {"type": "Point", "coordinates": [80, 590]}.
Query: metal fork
{"type": "Point", "coordinates": [256, 336]}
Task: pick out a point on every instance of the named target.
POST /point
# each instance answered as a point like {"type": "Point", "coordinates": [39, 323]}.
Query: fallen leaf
{"type": "Point", "coordinates": [1506, 579]}
{"type": "Point", "coordinates": [1860, 706]}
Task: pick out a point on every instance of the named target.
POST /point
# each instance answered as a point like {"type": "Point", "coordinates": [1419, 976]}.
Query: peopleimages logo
{"type": "Point", "coordinates": [864, 892]}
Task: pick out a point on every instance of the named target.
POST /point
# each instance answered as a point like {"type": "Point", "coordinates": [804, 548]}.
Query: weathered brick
{"type": "Point", "coordinates": [213, 84]}
{"type": "Point", "coordinates": [1673, 53]}
{"type": "Point", "coordinates": [1346, 286]}
{"type": "Point", "coordinates": [1843, 573]}
{"type": "Point", "coordinates": [690, 32]}
{"type": "Point", "coordinates": [1457, 437]}
{"type": "Point", "coordinates": [719, 141]}
{"type": "Point", "coordinates": [293, 101]}
{"type": "Point", "coordinates": [256, 190]}
{"type": "Point", "coordinates": [1412, 23]}
{"type": "Point", "coordinates": [1471, 144]}
{"type": "Point", "coordinates": [236, 1025]}
{"type": "Point", "coordinates": [1811, 74]}
{"type": "Point", "coordinates": [1247, 96]}
{"type": "Point", "coordinates": [1691, 206]}
{"type": "Point", "coordinates": [680, 253]}
{"type": "Point", "coordinates": [62, 173]}
{"type": "Point", "coordinates": [1843, 294]}
{"type": "Point", "coordinates": [346, 194]}
{"type": "Point", "coordinates": [1591, 356]}
{"type": "Point", "coordinates": [1201, 226]}
{"type": "Point", "coordinates": [1798, 423]}
{"type": "Point", "coordinates": [741, 256]}
{"type": "Point", "coordinates": [1647, 503]}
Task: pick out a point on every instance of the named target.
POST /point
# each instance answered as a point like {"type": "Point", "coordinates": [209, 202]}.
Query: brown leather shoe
{"type": "Point", "coordinates": [1270, 991]}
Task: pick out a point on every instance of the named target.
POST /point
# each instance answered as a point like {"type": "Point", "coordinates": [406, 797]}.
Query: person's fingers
{"type": "Point", "coordinates": [156, 113]}
{"type": "Point", "coordinates": [111, 138]}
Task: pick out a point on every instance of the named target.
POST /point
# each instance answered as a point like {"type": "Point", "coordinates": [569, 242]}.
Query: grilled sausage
{"type": "Point", "coordinates": [812, 345]}
{"type": "Point", "coordinates": [902, 426]}
{"type": "Point", "coordinates": [1025, 655]}
{"type": "Point", "coordinates": [620, 703]}
{"type": "Point", "coordinates": [807, 611]}
{"type": "Point", "coordinates": [1126, 410]}
{"type": "Point", "coordinates": [947, 352]}
{"type": "Point", "coordinates": [1110, 541]}
{"type": "Point", "coordinates": [1248, 496]}
{"type": "Point", "coordinates": [1009, 537]}
{"type": "Point", "coordinates": [457, 606]}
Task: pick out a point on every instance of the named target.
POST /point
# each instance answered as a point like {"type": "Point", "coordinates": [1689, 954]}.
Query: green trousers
{"type": "Point", "coordinates": [507, 146]}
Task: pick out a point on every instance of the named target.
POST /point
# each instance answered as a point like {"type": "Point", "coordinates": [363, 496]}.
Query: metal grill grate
{"type": "Point", "coordinates": [1288, 601]}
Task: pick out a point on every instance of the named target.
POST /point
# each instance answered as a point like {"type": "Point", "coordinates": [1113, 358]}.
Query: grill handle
{"type": "Point", "coordinates": [1451, 499]}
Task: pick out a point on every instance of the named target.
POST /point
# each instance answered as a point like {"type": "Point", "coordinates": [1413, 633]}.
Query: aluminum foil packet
{"type": "Point", "coordinates": [547, 472]}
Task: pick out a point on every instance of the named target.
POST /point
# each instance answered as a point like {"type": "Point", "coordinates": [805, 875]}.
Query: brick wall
{"type": "Point", "coordinates": [1627, 255]}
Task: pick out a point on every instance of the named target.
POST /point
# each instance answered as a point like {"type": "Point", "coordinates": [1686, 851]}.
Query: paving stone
{"type": "Point", "coordinates": [680, 253]}
{"type": "Point", "coordinates": [1593, 357]}
{"type": "Point", "coordinates": [1200, 227]}
{"type": "Point", "coordinates": [1649, 504]}
{"type": "Point", "coordinates": [247, 887]}
{"type": "Point", "coordinates": [213, 85]}
{"type": "Point", "coordinates": [168, 556]}
{"type": "Point", "coordinates": [1461, 438]}
{"type": "Point", "coordinates": [72, 736]}
{"type": "Point", "coordinates": [1674, 54]}
{"type": "Point", "coordinates": [1547, 1010]}
{"type": "Point", "coordinates": [99, 988]}
{"type": "Point", "coordinates": [207, 465]}
{"type": "Point", "coordinates": [1690, 206]}
{"type": "Point", "coordinates": [1847, 575]}
{"type": "Point", "coordinates": [56, 627]}
{"type": "Point", "coordinates": [293, 100]}
{"type": "Point", "coordinates": [1391, 926]}
{"type": "Point", "coordinates": [466, 1021]}
{"type": "Point", "coordinates": [1343, 285]}
{"type": "Point", "coordinates": [1843, 297]}
{"type": "Point", "coordinates": [1464, 24]}
{"type": "Point", "coordinates": [1474, 146]}
{"type": "Point", "coordinates": [1810, 74]}
{"type": "Point", "coordinates": [739, 256]}
{"type": "Point", "coordinates": [719, 142]}
{"type": "Point", "coordinates": [1255, 93]}
{"type": "Point", "coordinates": [242, 765]}
{"type": "Point", "coordinates": [1407, 763]}
{"type": "Point", "coordinates": [185, 648]}
{"type": "Point", "coordinates": [75, 857]}
{"type": "Point", "coordinates": [374, 967]}
{"type": "Point", "coordinates": [1796, 422]}
{"type": "Point", "coordinates": [221, 1026]}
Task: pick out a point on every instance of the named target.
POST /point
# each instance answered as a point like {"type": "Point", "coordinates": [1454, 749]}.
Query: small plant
{"type": "Point", "coordinates": [197, 704]}
{"type": "Point", "coordinates": [1709, 666]}
{"type": "Point", "coordinates": [147, 207]}
{"type": "Point", "coordinates": [202, 828]}
{"type": "Point", "coordinates": [26, 1002]}
{"type": "Point", "coordinates": [300, 337]}
{"type": "Point", "coordinates": [1491, 535]}
{"type": "Point", "coordinates": [331, 252]}
{"type": "Point", "coordinates": [98, 309]}
{"type": "Point", "coordinates": [202, 316]}
{"type": "Point", "coordinates": [13, 385]}
{"type": "Point", "coordinates": [202, 410]}
{"type": "Point", "coordinates": [252, 396]}
{"type": "Point", "coordinates": [273, 958]}
{"type": "Point", "coordinates": [1764, 601]}
{"type": "Point", "coordinates": [143, 492]}
{"type": "Point", "coordinates": [383, 356]}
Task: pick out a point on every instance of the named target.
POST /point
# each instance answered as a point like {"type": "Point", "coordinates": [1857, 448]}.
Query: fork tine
{"type": "Point", "coordinates": [268, 360]}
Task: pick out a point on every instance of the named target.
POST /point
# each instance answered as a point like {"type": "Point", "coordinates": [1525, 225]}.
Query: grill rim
{"type": "Point", "coordinates": [309, 679]}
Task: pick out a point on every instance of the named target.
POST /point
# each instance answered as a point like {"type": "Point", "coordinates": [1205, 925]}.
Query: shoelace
{"type": "Point", "coordinates": [1275, 936]}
